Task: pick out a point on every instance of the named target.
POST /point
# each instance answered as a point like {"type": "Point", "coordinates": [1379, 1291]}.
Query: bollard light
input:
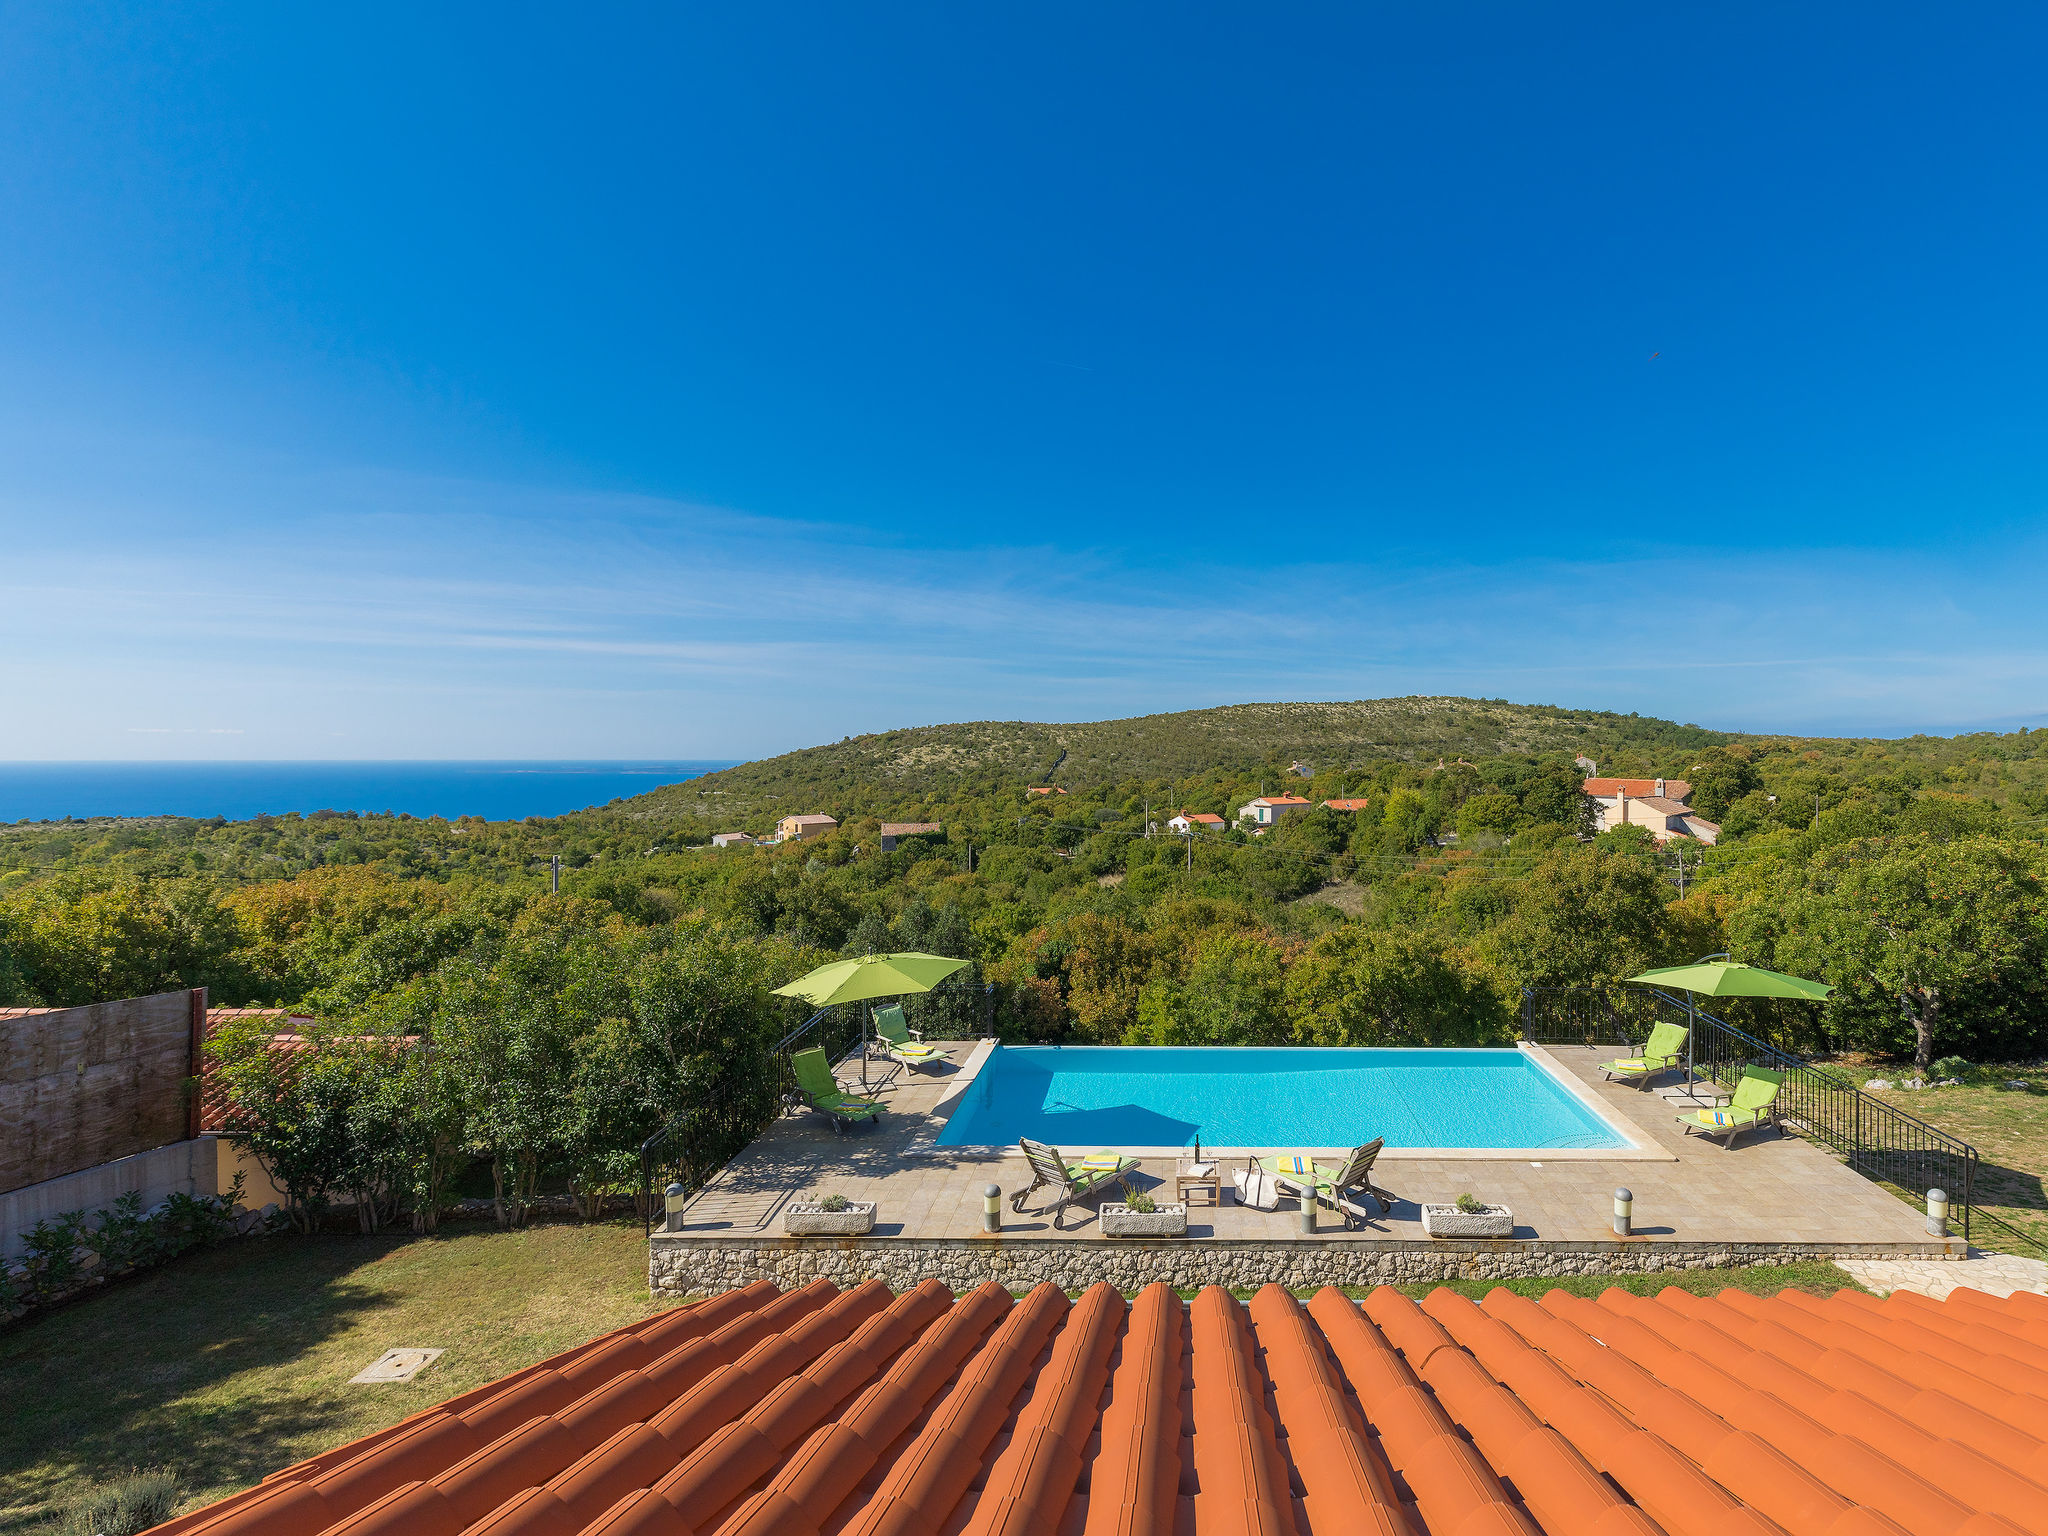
{"type": "Point", "coordinates": [992, 1208]}
{"type": "Point", "coordinates": [1937, 1213]}
{"type": "Point", "coordinates": [672, 1200]}
{"type": "Point", "coordinates": [1624, 1208]}
{"type": "Point", "coordinates": [1308, 1215]}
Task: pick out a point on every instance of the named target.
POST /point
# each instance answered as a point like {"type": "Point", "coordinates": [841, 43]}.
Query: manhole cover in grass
{"type": "Point", "coordinates": [395, 1365]}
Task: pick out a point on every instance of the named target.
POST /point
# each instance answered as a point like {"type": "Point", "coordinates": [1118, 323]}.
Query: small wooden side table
{"type": "Point", "coordinates": [1190, 1176]}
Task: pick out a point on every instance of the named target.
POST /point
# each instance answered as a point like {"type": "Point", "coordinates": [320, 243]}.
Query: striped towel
{"type": "Point", "coordinates": [1296, 1165]}
{"type": "Point", "coordinates": [1727, 1116]}
{"type": "Point", "coordinates": [1096, 1161]}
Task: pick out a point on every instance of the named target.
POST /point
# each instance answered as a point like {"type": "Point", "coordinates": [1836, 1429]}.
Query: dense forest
{"type": "Point", "coordinates": [567, 1025]}
{"type": "Point", "coordinates": [1907, 873]}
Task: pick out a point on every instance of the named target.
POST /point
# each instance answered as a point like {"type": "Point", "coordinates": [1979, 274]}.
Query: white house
{"type": "Point", "coordinates": [1656, 804]}
{"type": "Point", "coordinates": [1268, 809]}
{"type": "Point", "coordinates": [731, 839]}
{"type": "Point", "coordinates": [1195, 821]}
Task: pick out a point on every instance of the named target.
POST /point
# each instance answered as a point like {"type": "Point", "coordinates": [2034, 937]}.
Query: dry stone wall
{"type": "Point", "coordinates": [699, 1266]}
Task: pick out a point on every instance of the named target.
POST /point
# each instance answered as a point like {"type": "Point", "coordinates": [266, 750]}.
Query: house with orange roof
{"type": "Point", "coordinates": [1268, 810]}
{"type": "Point", "coordinates": [1045, 789]}
{"type": "Point", "coordinates": [1191, 821]}
{"type": "Point", "coordinates": [1658, 805]}
{"type": "Point", "coordinates": [1346, 805]}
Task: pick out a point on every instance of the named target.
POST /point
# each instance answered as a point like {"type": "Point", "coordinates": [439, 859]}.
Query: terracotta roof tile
{"type": "Point", "coordinates": [823, 1412]}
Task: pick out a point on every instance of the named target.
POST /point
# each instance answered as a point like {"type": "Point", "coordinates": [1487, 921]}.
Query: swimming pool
{"type": "Point", "coordinates": [1299, 1096]}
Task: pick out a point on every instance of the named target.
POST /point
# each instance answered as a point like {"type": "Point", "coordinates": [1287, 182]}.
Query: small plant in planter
{"type": "Point", "coordinates": [829, 1216]}
{"type": "Point", "coordinates": [1468, 1216]}
{"type": "Point", "coordinates": [1139, 1215]}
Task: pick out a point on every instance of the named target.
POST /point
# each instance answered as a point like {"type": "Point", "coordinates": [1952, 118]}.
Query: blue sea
{"type": "Point", "coordinates": [495, 791]}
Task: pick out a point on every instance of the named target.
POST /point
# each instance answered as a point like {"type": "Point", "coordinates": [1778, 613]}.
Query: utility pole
{"type": "Point", "coordinates": [555, 875]}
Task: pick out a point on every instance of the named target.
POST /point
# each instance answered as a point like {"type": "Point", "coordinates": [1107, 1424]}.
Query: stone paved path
{"type": "Point", "coordinates": [1995, 1274]}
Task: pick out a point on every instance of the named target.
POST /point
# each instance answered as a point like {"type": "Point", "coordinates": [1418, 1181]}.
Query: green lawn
{"type": "Point", "coordinates": [230, 1364]}
{"type": "Point", "coordinates": [2009, 1129]}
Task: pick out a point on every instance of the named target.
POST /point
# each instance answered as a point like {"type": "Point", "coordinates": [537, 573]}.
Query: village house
{"type": "Point", "coordinates": [1659, 805]}
{"type": "Point", "coordinates": [1268, 809]}
{"type": "Point", "coordinates": [731, 839]}
{"type": "Point", "coordinates": [1045, 789]}
{"type": "Point", "coordinates": [1190, 821]}
{"type": "Point", "coordinates": [801, 829]}
{"type": "Point", "coordinates": [1346, 805]}
{"type": "Point", "coordinates": [894, 832]}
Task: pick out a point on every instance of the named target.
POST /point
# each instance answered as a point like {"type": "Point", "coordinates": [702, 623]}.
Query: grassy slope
{"type": "Point", "coordinates": [2009, 1129]}
{"type": "Point", "coordinates": [918, 759]}
{"type": "Point", "coordinates": [231, 1364]}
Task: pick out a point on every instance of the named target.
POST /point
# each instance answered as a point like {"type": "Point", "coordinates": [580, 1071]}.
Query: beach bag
{"type": "Point", "coordinates": [1256, 1188]}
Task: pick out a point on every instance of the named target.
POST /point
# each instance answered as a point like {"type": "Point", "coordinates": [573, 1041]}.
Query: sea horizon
{"type": "Point", "coordinates": [497, 789]}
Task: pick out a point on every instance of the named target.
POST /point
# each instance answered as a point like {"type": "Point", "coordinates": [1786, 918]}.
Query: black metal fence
{"type": "Point", "coordinates": [1879, 1140]}
{"type": "Point", "coordinates": [745, 1099]}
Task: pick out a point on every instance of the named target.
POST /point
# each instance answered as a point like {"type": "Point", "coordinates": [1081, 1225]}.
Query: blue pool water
{"type": "Point", "coordinates": [1136, 1096]}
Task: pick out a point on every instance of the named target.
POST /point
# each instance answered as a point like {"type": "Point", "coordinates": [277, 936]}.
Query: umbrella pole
{"type": "Point", "coordinates": [866, 1012]}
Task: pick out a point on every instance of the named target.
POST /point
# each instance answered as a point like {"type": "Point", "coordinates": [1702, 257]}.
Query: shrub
{"type": "Point", "coordinates": [1951, 1066]}
{"type": "Point", "coordinates": [1140, 1202]}
{"type": "Point", "coordinates": [51, 1255]}
{"type": "Point", "coordinates": [1470, 1206]}
{"type": "Point", "coordinates": [833, 1203]}
{"type": "Point", "coordinates": [124, 1507]}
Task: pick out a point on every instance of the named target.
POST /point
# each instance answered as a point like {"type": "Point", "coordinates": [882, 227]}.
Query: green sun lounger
{"type": "Point", "coordinates": [1754, 1102]}
{"type": "Point", "coordinates": [821, 1088]}
{"type": "Point", "coordinates": [1074, 1181]}
{"type": "Point", "coordinates": [897, 1040]}
{"type": "Point", "coordinates": [1665, 1050]}
{"type": "Point", "coordinates": [1311, 1180]}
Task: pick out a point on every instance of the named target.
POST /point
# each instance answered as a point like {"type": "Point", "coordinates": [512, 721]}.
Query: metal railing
{"type": "Point", "coordinates": [702, 1139]}
{"type": "Point", "coordinates": [1878, 1140]}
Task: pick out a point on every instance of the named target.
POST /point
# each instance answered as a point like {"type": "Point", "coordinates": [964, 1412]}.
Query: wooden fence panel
{"type": "Point", "coordinates": [83, 1086]}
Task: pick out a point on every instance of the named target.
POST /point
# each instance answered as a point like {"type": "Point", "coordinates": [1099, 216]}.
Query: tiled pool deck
{"type": "Point", "coordinates": [1774, 1198]}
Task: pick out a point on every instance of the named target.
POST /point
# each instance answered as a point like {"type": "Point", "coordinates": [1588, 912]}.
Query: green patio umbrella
{"type": "Point", "coordinates": [869, 977]}
{"type": "Point", "coordinates": [1718, 976]}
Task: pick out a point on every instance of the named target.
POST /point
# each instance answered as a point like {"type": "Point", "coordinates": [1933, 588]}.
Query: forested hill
{"type": "Point", "coordinates": [862, 772]}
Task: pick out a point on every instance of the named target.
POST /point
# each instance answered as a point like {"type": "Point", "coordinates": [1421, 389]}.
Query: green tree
{"type": "Point", "coordinates": [1356, 986]}
{"type": "Point", "coordinates": [1720, 781]}
{"type": "Point", "coordinates": [1586, 915]}
{"type": "Point", "coordinates": [1924, 926]}
{"type": "Point", "coordinates": [1234, 994]}
{"type": "Point", "coordinates": [1495, 813]}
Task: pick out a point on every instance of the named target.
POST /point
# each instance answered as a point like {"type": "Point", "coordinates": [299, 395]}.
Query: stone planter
{"type": "Point", "coordinates": [1119, 1220]}
{"type": "Point", "coordinates": [814, 1221]}
{"type": "Point", "coordinates": [1449, 1221]}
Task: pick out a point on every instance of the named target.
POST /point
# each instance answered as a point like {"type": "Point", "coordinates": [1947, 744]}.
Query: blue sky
{"type": "Point", "coordinates": [661, 381]}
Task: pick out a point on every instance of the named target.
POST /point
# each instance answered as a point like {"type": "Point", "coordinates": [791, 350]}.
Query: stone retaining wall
{"type": "Point", "coordinates": [701, 1266]}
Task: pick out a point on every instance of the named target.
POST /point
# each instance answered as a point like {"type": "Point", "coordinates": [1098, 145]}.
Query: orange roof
{"type": "Point", "coordinates": [858, 1413]}
{"type": "Point", "coordinates": [1045, 789]}
{"type": "Point", "coordinates": [1347, 805]}
{"type": "Point", "coordinates": [1280, 800]}
{"type": "Point", "coordinates": [1607, 789]}
{"type": "Point", "coordinates": [1207, 818]}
